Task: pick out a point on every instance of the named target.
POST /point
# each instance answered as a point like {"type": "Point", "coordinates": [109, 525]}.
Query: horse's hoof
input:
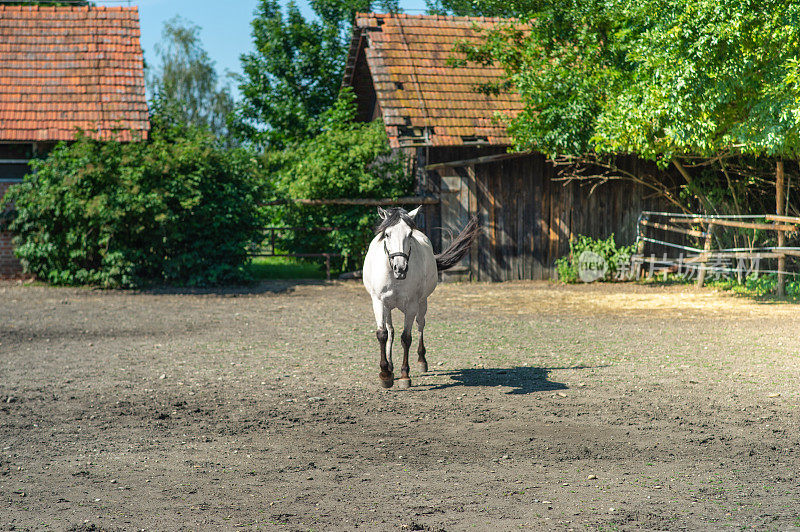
{"type": "Point", "coordinates": [387, 380]}
{"type": "Point", "coordinates": [423, 366]}
{"type": "Point", "coordinates": [404, 384]}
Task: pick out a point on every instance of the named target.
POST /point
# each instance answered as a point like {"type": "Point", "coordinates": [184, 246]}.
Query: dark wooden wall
{"type": "Point", "coordinates": [529, 216]}
{"type": "Point", "coordinates": [432, 222]}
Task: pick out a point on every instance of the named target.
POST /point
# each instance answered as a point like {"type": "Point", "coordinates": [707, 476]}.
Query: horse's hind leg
{"type": "Point", "coordinates": [385, 334]}
{"type": "Point", "coordinates": [421, 360]}
{"type": "Point", "coordinates": [405, 339]}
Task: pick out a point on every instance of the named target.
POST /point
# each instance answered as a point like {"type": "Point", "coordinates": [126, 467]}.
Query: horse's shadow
{"type": "Point", "coordinates": [521, 379]}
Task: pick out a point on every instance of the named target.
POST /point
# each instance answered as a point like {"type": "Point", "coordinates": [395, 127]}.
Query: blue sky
{"type": "Point", "coordinates": [225, 25]}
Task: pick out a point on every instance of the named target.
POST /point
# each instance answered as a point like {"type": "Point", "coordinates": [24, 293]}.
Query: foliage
{"type": "Point", "coordinates": [616, 257]}
{"type": "Point", "coordinates": [292, 107]}
{"type": "Point", "coordinates": [659, 78]}
{"type": "Point", "coordinates": [294, 73]}
{"type": "Point", "coordinates": [179, 209]}
{"type": "Point", "coordinates": [714, 86]}
{"type": "Point", "coordinates": [759, 286]}
{"type": "Point", "coordinates": [185, 80]}
{"type": "Point", "coordinates": [347, 159]}
{"type": "Point", "coordinates": [485, 8]}
{"type": "Point", "coordinates": [711, 77]}
{"type": "Point", "coordinates": [296, 70]}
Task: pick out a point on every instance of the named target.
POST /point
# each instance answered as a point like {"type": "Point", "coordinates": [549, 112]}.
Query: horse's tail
{"type": "Point", "coordinates": [458, 247]}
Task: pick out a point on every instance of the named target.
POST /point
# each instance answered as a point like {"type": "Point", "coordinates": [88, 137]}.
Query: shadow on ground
{"type": "Point", "coordinates": [281, 286]}
{"type": "Point", "coordinates": [522, 379]}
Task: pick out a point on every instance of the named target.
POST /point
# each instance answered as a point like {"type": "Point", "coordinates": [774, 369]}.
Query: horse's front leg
{"type": "Point", "coordinates": [421, 360]}
{"type": "Point", "coordinates": [385, 334]}
{"type": "Point", "coordinates": [405, 339]}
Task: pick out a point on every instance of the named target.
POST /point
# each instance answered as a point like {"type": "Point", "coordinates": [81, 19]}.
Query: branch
{"type": "Point", "coordinates": [690, 183]}
{"type": "Point", "coordinates": [575, 166]}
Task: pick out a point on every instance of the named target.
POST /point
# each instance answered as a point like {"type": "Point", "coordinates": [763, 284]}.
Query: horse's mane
{"type": "Point", "coordinates": [394, 216]}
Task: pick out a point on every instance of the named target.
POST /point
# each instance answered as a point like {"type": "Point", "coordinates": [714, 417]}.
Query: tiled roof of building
{"type": "Point", "coordinates": [423, 100]}
{"type": "Point", "coordinates": [63, 68]}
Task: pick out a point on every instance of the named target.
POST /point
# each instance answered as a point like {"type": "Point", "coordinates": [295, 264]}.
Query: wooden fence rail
{"type": "Point", "coordinates": [270, 251]}
{"type": "Point", "coordinates": [780, 223]}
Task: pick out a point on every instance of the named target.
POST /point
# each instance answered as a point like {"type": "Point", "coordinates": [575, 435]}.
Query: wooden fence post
{"type": "Point", "coordinates": [639, 267]}
{"type": "Point", "coordinates": [780, 189]}
{"type": "Point", "coordinates": [701, 275]}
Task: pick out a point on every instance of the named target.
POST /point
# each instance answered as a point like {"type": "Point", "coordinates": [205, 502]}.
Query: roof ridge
{"type": "Point", "coordinates": [23, 8]}
{"type": "Point", "coordinates": [454, 18]}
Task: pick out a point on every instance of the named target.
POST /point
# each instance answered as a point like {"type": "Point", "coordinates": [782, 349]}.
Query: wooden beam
{"type": "Point", "coordinates": [733, 223]}
{"type": "Point", "coordinates": [780, 187]}
{"type": "Point", "coordinates": [476, 160]}
{"type": "Point", "coordinates": [701, 275]}
{"type": "Point", "coordinates": [405, 200]}
{"type": "Point", "coordinates": [706, 257]}
{"type": "Point", "coordinates": [785, 219]}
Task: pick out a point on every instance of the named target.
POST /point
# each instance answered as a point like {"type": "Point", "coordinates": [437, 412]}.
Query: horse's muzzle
{"type": "Point", "coordinates": [399, 266]}
{"type": "Point", "coordinates": [400, 270]}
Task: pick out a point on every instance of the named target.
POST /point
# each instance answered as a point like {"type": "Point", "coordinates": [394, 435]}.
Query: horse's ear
{"type": "Point", "coordinates": [382, 213]}
{"type": "Point", "coordinates": [413, 213]}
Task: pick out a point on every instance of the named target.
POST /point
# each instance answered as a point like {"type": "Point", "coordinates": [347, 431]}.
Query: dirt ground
{"type": "Point", "coordinates": [599, 407]}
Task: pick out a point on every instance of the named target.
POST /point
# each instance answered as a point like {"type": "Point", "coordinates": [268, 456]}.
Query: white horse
{"type": "Point", "coordinates": [400, 272]}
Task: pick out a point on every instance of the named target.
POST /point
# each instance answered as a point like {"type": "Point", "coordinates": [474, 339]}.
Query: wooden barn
{"type": "Point", "coordinates": [454, 136]}
{"type": "Point", "coordinates": [64, 68]}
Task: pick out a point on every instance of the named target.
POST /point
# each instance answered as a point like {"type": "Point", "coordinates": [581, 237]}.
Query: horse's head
{"type": "Point", "coordinates": [395, 231]}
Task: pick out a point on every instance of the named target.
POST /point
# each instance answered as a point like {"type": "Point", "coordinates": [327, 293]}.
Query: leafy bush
{"type": "Point", "coordinates": [759, 286]}
{"type": "Point", "coordinates": [178, 209]}
{"type": "Point", "coordinates": [616, 257]}
{"type": "Point", "coordinates": [347, 160]}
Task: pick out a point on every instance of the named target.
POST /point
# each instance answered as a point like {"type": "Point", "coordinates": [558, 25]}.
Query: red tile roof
{"type": "Point", "coordinates": [63, 68]}
{"type": "Point", "coordinates": [424, 101]}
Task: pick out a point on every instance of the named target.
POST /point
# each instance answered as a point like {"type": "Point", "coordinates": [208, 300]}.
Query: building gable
{"type": "Point", "coordinates": [398, 66]}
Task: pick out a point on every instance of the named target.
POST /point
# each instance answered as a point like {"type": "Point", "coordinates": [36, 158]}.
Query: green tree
{"type": "Point", "coordinates": [715, 82]}
{"type": "Point", "coordinates": [347, 159]}
{"type": "Point", "coordinates": [295, 72]}
{"type": "Point", "coordinates": [712, 78]}
{"type": "Point", "coordinates": [185, 79]}
{"type": "Point", "coordinates": [658, 78]}
{"type": "Point", "coordinates": [293, 108]}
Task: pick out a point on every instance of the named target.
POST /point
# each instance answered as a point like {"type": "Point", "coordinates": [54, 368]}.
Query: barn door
{"type": "Point", "coordinates": [455, 215]}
